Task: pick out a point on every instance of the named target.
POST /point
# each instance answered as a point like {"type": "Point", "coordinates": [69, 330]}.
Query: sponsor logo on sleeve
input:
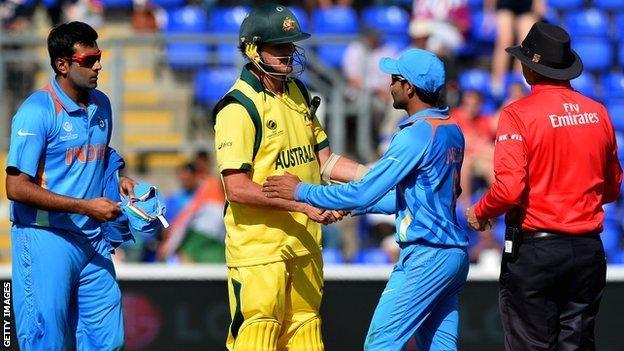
{"type": "Point", "coordinates": [23, 133]}
{"type": "Point", "coordinates": [224, 144]}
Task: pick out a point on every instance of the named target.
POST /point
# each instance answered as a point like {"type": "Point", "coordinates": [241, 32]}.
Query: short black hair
{"type": "Point", "coordinates": [63, 37]}
{"type": "Point", "coordinates": [202, 154]}
{"type": "Point", "coordinates": [429, 98]}
{"type": "Point", "coordinates": [189, 166]}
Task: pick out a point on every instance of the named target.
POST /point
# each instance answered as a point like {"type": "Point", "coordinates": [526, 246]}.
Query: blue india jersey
{"type": "Point", "coordinates": [62, 147]}
{"type": "Point", "coordinates": [417, 179]}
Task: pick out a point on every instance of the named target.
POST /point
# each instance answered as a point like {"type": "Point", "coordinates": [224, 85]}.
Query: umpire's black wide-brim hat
{"type": "Point", "coordinates": [546, 50]}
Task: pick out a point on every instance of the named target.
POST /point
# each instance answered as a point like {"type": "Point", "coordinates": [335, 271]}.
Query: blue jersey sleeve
{"type": "Point", "coordinates": [386, 205]}
{"type": "Point", "coordinates": [29, 132]}
{"type": "Point", "coordinates": [404, 155]}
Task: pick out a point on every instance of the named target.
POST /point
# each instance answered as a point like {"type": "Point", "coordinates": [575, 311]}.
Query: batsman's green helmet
{"type": "Point", "coordinates": [271, 24]}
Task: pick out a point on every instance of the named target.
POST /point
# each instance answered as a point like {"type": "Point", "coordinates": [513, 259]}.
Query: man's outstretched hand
{"type": "Point", "coordinates": [281, 186]}
{"type": "Point", "coordinates": [475, 223]}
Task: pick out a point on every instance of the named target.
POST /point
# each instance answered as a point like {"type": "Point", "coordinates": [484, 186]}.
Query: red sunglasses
{"type": "Point", "coordinates": [87, 60]}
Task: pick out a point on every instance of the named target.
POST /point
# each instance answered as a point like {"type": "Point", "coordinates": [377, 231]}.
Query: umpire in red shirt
{"type": "Point", "coordinates": [556, 164]}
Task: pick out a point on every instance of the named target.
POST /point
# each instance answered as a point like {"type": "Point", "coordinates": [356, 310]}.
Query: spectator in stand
{"type": "Point", "coordinates": [515, 89]}
{"type": "Point", "coordinates": [478, 131]}
{"type": "Point", "coordinates": [203, 165]}
{"type": "Point", "coordinates": [188, 181]}
{"type": "Point", "coordinates": [197, 231]}
{"type": "Point", "coordinates": [420, 32]}
{"type": "Point", "coordinates": [360, 67]}
{"type": "Point", "coordinates": [451, 20]}
{"type": "Point", "coordinates": [514, 18]}
{"type": "Point", "coordinates": [313, 4]}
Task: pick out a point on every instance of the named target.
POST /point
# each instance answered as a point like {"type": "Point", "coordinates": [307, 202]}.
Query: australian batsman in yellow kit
{"type": "Point", "coordinates": [275, 273]}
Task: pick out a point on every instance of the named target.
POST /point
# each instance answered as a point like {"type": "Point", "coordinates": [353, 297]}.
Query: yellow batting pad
{"type": "Point", "coordinates": [308, 337]}
{"type": "Point", "coordinates": [259, 335]}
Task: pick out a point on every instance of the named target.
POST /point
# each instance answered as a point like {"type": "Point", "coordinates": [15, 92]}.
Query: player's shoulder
{"type": "Point", "coordinates": [419, 132]}
{"type": "Point", "coordinates": [232, 111]}
{"type": "Point", "coordinates": [100, 98]}
{"type": "Point", "coordinates": [40, 99]}
{"type": "Point", "coordinates": [420, 128]}
{"type": "Point", "coordinates": [37, 104]}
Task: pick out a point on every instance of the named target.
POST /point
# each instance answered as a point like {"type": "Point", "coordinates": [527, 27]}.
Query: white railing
{"type": "Point", "coordinates": [159, 271]}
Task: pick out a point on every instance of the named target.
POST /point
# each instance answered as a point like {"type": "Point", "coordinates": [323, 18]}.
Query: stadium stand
{"type": "Point", "coordinates": [334, 20]}
{"type": "Point", "coordinates": [187, 20]}
{"type": "Point", "coordinates": [157, 106]}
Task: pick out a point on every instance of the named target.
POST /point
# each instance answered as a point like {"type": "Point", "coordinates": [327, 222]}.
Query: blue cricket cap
{"type": "Point", "coordinates": [420, 67]}
{"type": "Point", "coordinates": [145, 210]}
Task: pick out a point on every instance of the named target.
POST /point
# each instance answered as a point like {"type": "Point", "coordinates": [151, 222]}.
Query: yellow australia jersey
{"type": "Point", "coordinates": [267, 135]}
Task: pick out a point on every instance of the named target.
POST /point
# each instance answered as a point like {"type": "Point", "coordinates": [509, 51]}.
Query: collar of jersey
{"type": "Point", "coordinates": [69, 105]}
{"type": "Point", "coordinates": [436, 113]}
{"type": "Point", "coordinates": [249, 78]}
{"type": "Point", "coordinates": [551, 85]}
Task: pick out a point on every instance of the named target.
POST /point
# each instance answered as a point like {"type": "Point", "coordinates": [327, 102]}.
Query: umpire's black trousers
{"type": "Point", "coordinates": [550, 293]}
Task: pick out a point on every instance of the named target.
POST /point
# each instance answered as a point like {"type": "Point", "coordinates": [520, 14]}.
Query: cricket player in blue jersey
{"type": "Point", "coordinates": [65, 295]}
{"type": "Point", "coordinates": [418, 180]}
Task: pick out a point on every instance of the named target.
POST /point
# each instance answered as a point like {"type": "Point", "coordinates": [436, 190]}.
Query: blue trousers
{"type": "Point", "coordinates": [421, 299]}
{"type": "Point", "coordinates": [64, 292]}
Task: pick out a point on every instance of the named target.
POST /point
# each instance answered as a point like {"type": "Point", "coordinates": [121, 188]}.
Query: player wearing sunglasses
{"type": "Point", "coordinates": [64, 289]}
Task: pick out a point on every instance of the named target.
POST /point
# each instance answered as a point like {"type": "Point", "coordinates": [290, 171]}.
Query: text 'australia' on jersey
{"type": "Point", "coordinates": [264, 135]}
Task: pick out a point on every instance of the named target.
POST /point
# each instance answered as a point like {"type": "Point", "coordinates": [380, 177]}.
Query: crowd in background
{"type": "Point", "coordinates": [480, 80]}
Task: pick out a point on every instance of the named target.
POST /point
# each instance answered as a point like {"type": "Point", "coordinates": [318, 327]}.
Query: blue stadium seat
{"type": "Point", "coordinates": [551, 16]}
{"type": "Point", "coordinates": [332, 255]}
{"type": "Point", "coordinates": [588, 23]}
{"type": "Point", "coordinates": [331, 54]}
{"type": "Point", "coordinates": [512, 78]}
{"type": "Point", "coordinates": [211, 84]}
{"type": "Point", "coordinates": [371, 256]}
{"type": "Point", "coordinates": [585, 84]}
{"type": "Point", "coordinates": [616, 112]}
{"type": "Point", "coordinates": [613, 86]}
{"type": "Point", "coordinates": [621, 53]}
{"type": "Point", "coordinates": [596, 53]}
{"type": "Point", "coordinates": [618, 21]}
{"type": "Point", "coordinates": [187, 20]}
{"type": "Point", "coordinates": [168, 4]}
{"type": "Point", "coordinates": [335, 20]}
{"type": "Point", "coordinates": [483, 27]}
{"type": "Point", "coordinates": [475, 5]}
{"type": "Point", "coordinates": [50, 3]}
{"type": "Point", "coordinates": [227, 19]}
{"type": "Point", "coordinates": [392, 23]}
{"type": "Point", "coordinates": [302, 17]}
{"type": "Point", "coordinates": [387, 20]}
{"type": "Point", "coordinates": [475, 79]}
{"type": "Point", "coordinates": [227, 54]}
{"type": "Point", "coordinates": [117, 4]}
{"type": "Point", "coordinates": [611, 238]}
{"type": "Point", "coordinates": [609, 5]}
{"type": "Point", "coordinates": [566, 5]}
